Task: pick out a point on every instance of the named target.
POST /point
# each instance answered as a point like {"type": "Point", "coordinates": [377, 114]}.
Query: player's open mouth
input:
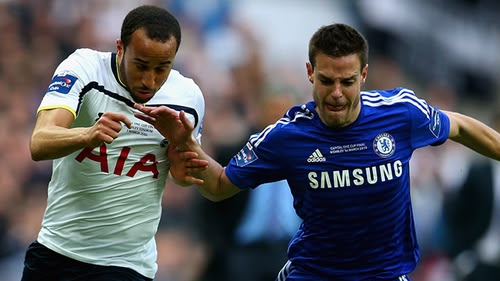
{"type": "Point", "coordinates": [335, 107]}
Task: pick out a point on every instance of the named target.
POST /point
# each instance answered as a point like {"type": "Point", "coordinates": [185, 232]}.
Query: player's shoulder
{"type": "Point", "coordinates": [386, 94]}
{"type": "Point", "coordinates": [178, 81]}
{"type": "Point", "coordinates": [87, 52]}
{"type": "Point", "coordinates": [89, 56]}
{"type": "Point", "coordinates": [85, 62]}
{"type": "Point", "coordinates": [304, 111]}
{"type": "Point", "coordinates": [395, 101]}
{"type": "Point", "coordinates": [300, 115]}
{"type": "Point", "coordinates": [177, 78]}
{"type": "Point", "coordinates": [181, 91]}
{"type": "Point", "coordinates": [391, 97]}
{"type": "Point", "coordinates": [296, 123]}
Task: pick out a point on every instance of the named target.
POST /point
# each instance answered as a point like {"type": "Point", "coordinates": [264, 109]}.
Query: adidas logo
{"type": "Point", "coordinates": [316, 156]}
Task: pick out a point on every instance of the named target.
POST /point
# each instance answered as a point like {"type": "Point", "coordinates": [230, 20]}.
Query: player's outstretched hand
{"type": "Point", "coordinates": [173, 125]}
{"type": "Point", "coordinates": [107, 128]}
{"type": "Point", "coordinates": [183, 164]}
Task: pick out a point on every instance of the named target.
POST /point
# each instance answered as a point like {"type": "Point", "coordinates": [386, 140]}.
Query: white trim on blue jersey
{"type": "Point", "coordinates": [404, 95]}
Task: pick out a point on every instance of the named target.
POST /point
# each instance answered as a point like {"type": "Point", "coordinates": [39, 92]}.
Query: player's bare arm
{"type": "Point", "coordinates": [53, 138]}
{"type": "Point", "coordinates": [474, 134]}
{"type": "Point", "coordinates": [185, 164]}
{"type": "Point", "coordinates": [204, 171]}
{"type": "Point", "coordinates": [212, 181]}
{"type": "Point", "coordinates": [216, 186]}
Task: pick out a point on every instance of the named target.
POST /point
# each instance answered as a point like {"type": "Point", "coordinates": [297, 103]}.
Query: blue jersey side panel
{"type": "Point", "coordinates": [350, 185]}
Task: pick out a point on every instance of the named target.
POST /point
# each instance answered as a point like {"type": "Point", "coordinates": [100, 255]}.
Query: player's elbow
{"type": "Point", "coordinates": [35, 151]}
{"type": "Point", "coordinates": [222, 192]}
{"type": "Point", "coordinates": [39, 152]}
{"type": "Point", "coordinates": [212, 198]}
{"type": "Point", "coordinates": [211, 195]}
{"type": "Point", "coordinates": [216, 197]}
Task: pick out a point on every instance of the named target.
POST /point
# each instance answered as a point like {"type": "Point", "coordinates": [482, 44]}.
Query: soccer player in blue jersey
{"type": "Point", "coordinates": [345, 156]}
{"type": "Point", "coordinates": [109, 167]}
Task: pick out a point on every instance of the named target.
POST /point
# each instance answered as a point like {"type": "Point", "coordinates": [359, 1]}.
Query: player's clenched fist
{"type": "Point", "coordinates": [107, 128]}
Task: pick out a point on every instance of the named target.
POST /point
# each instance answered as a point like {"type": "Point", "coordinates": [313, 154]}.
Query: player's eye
{"type": "Point", "coordinates": [161, 69]}
{"type": "Point", "coordinates": [325, 81]}
{"type": "Point", "coordinates": [141, 67]}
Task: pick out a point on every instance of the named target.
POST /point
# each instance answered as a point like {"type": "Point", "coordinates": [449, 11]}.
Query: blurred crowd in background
{"type": "Point", "coordinates": [248, 56]}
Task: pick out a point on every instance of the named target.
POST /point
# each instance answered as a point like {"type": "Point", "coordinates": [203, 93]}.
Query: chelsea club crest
{"type": "Point", "coordinates": [384, 145]}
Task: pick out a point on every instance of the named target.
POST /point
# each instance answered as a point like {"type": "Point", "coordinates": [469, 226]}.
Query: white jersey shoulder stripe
{"type": "Point", "coordinates": [375, 99]}
{"type": "Point", "coordinates": [256, 139]}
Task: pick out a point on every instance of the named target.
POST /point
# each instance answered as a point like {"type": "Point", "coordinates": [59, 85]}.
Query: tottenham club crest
{"type": "Point", "coordinates": [384, 145]}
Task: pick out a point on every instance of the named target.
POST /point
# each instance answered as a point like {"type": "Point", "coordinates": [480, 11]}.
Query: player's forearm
{"type": "Point", "coordinates": [212, 186]}
{"type": "Point", "coordinates": [475, 135]}
{"type": "Point", "coordinates": [483, 140]}
{"type": "Point", "coordinates": [54, 142]}
{"type": "Point", "coordinates": [216, 186]}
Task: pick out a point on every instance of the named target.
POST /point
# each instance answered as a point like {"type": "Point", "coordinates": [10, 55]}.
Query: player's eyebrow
{"type": "Point", "coordinates": [167, 62]}
{"type": "Point", "coordinates": [353, 77]}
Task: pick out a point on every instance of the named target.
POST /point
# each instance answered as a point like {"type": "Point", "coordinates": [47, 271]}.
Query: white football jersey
{"type": "Point", "coordinates": [104, 203]}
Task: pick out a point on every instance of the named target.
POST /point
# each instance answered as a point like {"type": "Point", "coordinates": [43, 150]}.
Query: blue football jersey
{"type": "Point", "coordinates": [351, 185]}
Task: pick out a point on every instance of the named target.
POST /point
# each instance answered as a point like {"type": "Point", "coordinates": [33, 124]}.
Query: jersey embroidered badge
{"type": "Point", "coordinates": [246, 155]}
{"type": "Point", "coordinates": [384, 145]}
{"type": "Point", "coordinates": [62, 83]}
{"type": "Point", "coordinates": [316, 156]}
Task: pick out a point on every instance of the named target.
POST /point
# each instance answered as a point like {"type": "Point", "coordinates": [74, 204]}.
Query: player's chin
{"type": "Point", "coordinates": [142, 97]}
{"type": "Point", "coordinates": [336, 119]}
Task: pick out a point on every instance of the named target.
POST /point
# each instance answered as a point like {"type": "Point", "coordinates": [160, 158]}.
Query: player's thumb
{"type": "Point", "coordinates": [185, 120]}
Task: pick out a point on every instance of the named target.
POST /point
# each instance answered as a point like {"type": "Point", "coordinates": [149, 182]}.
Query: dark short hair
{"type": "Point", "coordinates": [158, 23]}
{"type": "Point", "coordinates": [338, 40]}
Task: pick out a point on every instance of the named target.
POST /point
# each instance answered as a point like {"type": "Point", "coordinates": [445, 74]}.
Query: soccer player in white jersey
{"type": "Point", "coordinates": [109, 167]}
{"type": "Point", "coordinates": [345, 156]}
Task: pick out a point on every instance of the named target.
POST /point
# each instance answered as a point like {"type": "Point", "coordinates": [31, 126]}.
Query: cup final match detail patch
{"type": "Point", "coordinates": [246, 155]}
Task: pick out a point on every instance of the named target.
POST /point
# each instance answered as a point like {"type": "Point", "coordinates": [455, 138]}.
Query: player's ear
{"type": "Point", "coordinates": [310, 74]}
{"type": "Point", "coordinates": [364, 74]}
{"type": "Point", "coordinates": [119, 47]}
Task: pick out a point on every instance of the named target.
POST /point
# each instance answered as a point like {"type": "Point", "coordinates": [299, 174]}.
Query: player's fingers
{"type": "Point", "coordinates": [197, 164]}
{"type": "Point", "coordinates": [186, 155]}
{"type": "Point", "coordinates": [164, 111]}
{"type": "Point", "coordinates": [185, 121]}
{"type": "Point", "coordinates": [196, 169]}
{"type": "Point", "coordinates": [107, 138]}
{"type": "Point", "coordinates": [97, 136]}
{"type": "Point", "coordinates": [142, 108]}
{"type": "Point", "coordinates": [105, 132]}
{"type": "Point", "coordinates": [118, 117]}
{"type": "Point", "coordinates": [145, 118]}
{"type": "Point", "coordinates": [194, 180]}
{"type": "Point", "coordinates": [128, 123]}
{"type": "Point", "coordinates": [114, 120]}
